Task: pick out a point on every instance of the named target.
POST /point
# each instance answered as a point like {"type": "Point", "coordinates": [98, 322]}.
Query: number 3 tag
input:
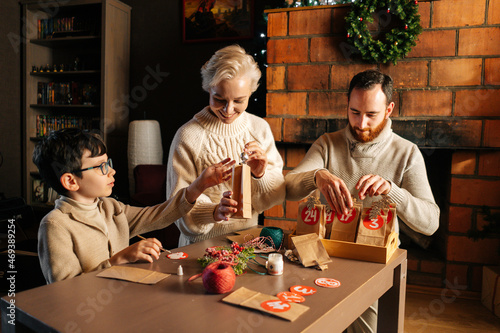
{"type": "Point", "coordinates": [373, 224]}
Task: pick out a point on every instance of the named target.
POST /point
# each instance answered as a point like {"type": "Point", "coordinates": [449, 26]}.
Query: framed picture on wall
{"type": "Point", "coordinates": [215, 20]}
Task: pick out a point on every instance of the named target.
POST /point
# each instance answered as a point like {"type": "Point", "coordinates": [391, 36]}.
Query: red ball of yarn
{"type": "Point", "coordinates": [218, 278]}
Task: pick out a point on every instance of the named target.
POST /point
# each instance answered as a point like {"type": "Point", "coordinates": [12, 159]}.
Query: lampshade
{"type": "Point", "coordinates": [144, 146]}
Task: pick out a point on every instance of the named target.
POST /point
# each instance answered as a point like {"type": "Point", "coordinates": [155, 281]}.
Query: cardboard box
{"type": "Point", "coordinates": [350, 250]}
{"type": "Point", "coordinates": [490, 293]}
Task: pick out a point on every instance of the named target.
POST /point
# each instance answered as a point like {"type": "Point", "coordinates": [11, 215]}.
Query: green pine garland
{"type": "Point", "coordinates": [395, 44]}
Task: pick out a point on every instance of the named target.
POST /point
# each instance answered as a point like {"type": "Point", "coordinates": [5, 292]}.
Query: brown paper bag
{"type": "Point", "coordinates": [344, 226]}
{"type": "Point", "coordinates": [265, 303]}
{"type": "Point", "coordinates": [242, 190]}
{"type": "Point", "coordinates": [311, 219]}
{"type": "Point", "coordinates": [329, 217]}
{"type": "Point", "coordinates": [310, 250]}
{"type": "Point", "coordinates": [372, 231]}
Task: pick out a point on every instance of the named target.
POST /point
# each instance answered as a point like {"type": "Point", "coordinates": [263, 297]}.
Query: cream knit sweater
{"type": "Point", "coordinates": [390, 156]}
{"type": "Point", "coordinates": [205, 140]}
{"type": "Point", "coordinates": [76, 238]}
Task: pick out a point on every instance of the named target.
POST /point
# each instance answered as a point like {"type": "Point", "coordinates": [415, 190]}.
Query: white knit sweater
{"type": "Point", "coordinates": [390, 156]}
{"type": "Point", "coordinates": [205, 140]}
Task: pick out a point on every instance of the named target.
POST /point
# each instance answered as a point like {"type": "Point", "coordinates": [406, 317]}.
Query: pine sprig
{"type": "Point", "coordinates": [396, 43]}
{"type": "Point", "coordinates": [235, 255]}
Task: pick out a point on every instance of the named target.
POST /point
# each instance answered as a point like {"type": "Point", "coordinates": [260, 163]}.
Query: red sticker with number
{"type": "Point", "coordinates": [287, 296]}
{"type": "Point", "coordinates": [347, 218]}
{"type": "Point", "coordinates": [373, 224]}
{"type": "Point", "coordinates": [310, 216]}
{"type": "Point", "coordinates": [276, 305]}
{"type": "Point", "coordinates": [177, 255]}
{"type": "Point", "coordinates": [303, 290]}
{"type": "Point", "coordinates": [327, 282]}
{"type": "Point", "coordinates": [329, 216]}
{"type": "Point", "coordinates": [389, 215]}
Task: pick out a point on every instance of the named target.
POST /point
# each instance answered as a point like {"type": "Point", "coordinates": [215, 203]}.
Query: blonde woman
{"type": "Point", "coordinates": [224, 129]}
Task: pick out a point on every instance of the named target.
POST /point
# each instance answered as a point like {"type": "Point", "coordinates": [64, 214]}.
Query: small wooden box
{"type": "Point", "coordinates": [350, 250]}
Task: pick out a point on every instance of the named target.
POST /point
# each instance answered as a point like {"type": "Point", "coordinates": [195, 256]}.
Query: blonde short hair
{"type": "Point", "coordinates": [227, 63]}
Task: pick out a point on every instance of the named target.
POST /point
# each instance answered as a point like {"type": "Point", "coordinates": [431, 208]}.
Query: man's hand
{"type": "Point", "coordinates": [142, 250]}
{"type": "Point", "coordinates": [257, 159]}
{"type": "Point", "coordinates": [372, 185]}
{"type": "Point", "coordinates": [335, 191]}
{"type": "Point", "coordinates": [226, 208]}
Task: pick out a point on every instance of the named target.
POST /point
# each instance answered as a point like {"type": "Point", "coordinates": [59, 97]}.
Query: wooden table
{"type": "Point", "coordinates": [91, 304]}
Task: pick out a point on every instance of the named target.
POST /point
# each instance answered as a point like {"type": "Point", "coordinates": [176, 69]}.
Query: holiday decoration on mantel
{"type": "Point", "coordinates": [392, 45]}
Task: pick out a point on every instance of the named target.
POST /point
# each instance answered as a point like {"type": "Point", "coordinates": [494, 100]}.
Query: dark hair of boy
{"type": "Point", "coordinates": [61, 152]}
{"type": "Point", "coordinates": [367, 79]}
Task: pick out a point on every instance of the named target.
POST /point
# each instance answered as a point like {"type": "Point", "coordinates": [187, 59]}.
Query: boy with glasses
{"type": "Point", "coordinates": [86, 230]}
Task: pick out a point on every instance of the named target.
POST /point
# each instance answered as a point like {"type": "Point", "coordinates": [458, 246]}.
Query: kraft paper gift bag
{"type": "Point", "coordinates": [265, 303]}
{"type": "Point", "coordinates": [371, 231]}
{"type": "Point", "coordinates": [310, 250]}
{"type": "Point", "coordinates": [133, 274]}
{"type": "Point", "coordinates": [242, 190]}
{"type": "Point", "coordinates": [345, 226]}
{"type": "Point", "coordinates": [311, 219]}
{"type": "Point", "coordinates": [490, 293]}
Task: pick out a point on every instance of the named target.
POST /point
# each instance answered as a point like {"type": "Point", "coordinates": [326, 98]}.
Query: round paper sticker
{"type": "Point", "coordinates": [389, 215]}
{"type": "Point", "coordinates": [177, 255]}
{"type": "Point", "coordinates": [373, 224]}
{"type": "Point", "coordinates": [329, 216]}
{"type": "Point", "coordinates": [303, 290]}
{"type": "Point", "coordinates": [310, 216]}
{"type": "Point", "coordinates": [275, 306]}
{"type": "Point", "coordinates": [327, 283]}
{"type": "Point", "coordinates": [347, 218]}
{"type": "Point", "coordinates": [287, 296]}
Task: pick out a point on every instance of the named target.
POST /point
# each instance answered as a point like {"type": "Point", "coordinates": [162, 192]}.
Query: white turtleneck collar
{"type": "Point", "coordinates": [213, 124]}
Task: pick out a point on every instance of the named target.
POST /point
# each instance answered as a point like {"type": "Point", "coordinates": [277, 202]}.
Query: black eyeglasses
{"type": "Point", "coordinates": [104, 167]}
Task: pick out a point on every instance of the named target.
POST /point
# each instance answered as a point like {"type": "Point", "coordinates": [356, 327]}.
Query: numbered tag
{"type": "Point", "coordinates": [329, 217]}
{"type": "Point", "coordinates": [303, 290]}
{"type": "Point", "coordinates": [389, 215]}
{"type": "Point", "coordinates": [327, 283]}
{"type": "Point", "coordinates": [347, 218]}
{"type": "Point", "coordinates": [310, 216]}
{"type": "Point", "coordinates": [275, 306]}
{"type": "Point", "coordinates": [287, 296]}
{"type": "Point", "coordinates": [373, 224]}
{"type": "Point", "coordinates": [177, 255]}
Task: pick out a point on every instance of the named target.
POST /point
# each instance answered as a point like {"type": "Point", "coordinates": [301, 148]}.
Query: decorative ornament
{"type": "Point", "coordinates": [392, 45]}
{"type": "Point", "coordinates": [236, 256]}
{"type": "Point", "coordinates": [311, 201]}
{"type": "Point", "coordinates": [378, 206]}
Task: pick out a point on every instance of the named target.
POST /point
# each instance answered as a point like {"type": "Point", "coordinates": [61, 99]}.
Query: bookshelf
{"type": "Point", "coordinates": [75, 73]}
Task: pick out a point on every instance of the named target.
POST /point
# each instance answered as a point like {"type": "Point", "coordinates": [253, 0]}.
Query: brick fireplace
{"type": "Point", "coordinates": [447, 95]}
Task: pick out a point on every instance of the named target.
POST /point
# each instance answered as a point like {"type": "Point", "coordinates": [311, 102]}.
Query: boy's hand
{"type": "Point", "coordinates": [257, 159]}
{"type": "Point", "coordinates": [211, 176]}
{"type": "Point", "coordinates": [142, 250]}
{"type": "Point", "coordinates": [226, 208]}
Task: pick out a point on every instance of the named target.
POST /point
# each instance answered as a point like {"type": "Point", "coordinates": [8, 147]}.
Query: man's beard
{"type": "Point", "coordinates": [367, 134]}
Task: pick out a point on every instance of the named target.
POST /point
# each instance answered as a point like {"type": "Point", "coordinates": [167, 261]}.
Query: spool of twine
{"type": "Point", "coordinates": [276, 235]}
{"type": "Point", "coordinates": [218, 278]}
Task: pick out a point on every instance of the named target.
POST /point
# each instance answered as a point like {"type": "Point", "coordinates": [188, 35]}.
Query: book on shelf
{"type": "Point", "coordinates": [46, 123]}
{"type": "Point", "coordinates": [66, 26]}
{"type": "Point", "coordinates": [67, 93]}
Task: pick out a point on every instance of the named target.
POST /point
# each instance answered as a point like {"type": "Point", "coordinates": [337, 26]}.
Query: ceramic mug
{"type": "Point", "coordinates": [274, 264]}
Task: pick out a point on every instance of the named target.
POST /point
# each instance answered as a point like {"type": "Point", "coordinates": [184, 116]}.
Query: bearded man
{"type": "Point", "coordinates": [366, 160]}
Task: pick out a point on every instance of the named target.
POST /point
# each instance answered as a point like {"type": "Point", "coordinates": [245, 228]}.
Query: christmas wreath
{"type": "Point", "coordinates": [400, 16]}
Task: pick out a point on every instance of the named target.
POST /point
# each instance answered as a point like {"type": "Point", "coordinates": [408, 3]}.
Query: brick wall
{"type": "Point", "coordinates": [447, 95]}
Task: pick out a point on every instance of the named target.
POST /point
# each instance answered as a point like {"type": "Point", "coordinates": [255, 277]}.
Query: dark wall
{"type": "Point", "coordinates": [156, 42]}
{"type": "Point", "coordinates": [10, 99]}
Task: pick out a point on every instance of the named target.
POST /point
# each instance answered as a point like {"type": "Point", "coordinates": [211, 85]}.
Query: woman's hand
{"type": "Point", "coordinates": [257, 159]}
{"type": "Point", "coordinates": [211, 176]}
{"type": "Point", "coordinates": [226, 208]}
{"type": "Point", "coordinates": [142, 250]}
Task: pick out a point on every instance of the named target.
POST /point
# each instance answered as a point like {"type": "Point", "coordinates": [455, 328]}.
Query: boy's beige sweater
{"type": "Point", "coordinates": [76, 238]}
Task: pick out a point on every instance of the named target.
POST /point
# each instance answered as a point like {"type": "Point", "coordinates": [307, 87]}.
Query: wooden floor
{"type": "Point", "coordinates": [432, 313]}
